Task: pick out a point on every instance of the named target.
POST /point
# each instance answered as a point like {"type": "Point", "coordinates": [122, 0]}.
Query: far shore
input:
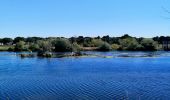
{"type": "Point", "coordinates": [48, 47]}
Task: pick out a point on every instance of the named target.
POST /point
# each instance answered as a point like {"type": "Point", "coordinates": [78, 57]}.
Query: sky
{"type": "Point", "coordinates": [46, 18]}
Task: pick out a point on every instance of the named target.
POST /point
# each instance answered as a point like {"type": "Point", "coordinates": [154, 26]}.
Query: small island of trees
{"type": "Point", "coordinates": [47, 46]}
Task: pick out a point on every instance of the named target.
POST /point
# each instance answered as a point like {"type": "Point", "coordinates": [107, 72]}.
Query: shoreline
{"type": "Point", "coordinates": [113, 54]}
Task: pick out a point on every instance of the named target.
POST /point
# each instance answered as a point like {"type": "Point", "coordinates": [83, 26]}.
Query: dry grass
{"type": "Point", "coordinates": [5, 47]}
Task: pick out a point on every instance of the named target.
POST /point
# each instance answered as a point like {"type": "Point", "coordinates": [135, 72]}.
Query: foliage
{"type": "Point", "coordinates": [62, 45]}
{"type": "Point", "coordinates": [105, 47]}
{"type": "Point", "coordinates": [21, 46]}
{"type": "Point", "coordinates": [18, 39]}
{"type": "Point", "coordinates": [149, 45]}
{"type": "Point", "coordinates": [129, 44]}
{"type": "Point", "coordinates": [43, 46]}
{"type": "Point", "coordinates": [34, 47]}
{"type": "Point", "coordinates": [6, 41]}
{"type": "Point", "coordinates": [5, 48]}
{"type": "Point", "coordinates": [115, 46]}
{"type": "Point", "coordinates": [96, 42]}
{"type": "Point", "coordinates": [76, 47]}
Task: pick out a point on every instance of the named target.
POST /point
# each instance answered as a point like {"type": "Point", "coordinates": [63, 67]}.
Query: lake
{"type": "Point", "coordinates": [87, 78]}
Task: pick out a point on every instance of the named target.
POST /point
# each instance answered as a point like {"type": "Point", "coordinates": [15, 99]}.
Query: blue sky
{"type": "Point", "coordinates": [84, 17]}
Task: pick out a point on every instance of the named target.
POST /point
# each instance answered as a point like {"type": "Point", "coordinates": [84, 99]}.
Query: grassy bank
{"type": "Point", "coordinates": [6, 47]}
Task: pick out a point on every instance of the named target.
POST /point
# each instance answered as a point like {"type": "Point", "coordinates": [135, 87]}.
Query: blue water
{"type": "Point", "coordinates": [90, 78]}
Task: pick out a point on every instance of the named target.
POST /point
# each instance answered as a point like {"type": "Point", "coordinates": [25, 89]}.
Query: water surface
{"type": "Point", "coordinates": [90, 78]}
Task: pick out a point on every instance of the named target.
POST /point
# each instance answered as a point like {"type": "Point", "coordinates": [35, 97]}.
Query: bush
{"type": "Point", "coordinates": [115, 46]}
{"type": "Point", "coordinates": [21, 46]}
{"type": "Point", "coordinates": [34, 47]}
{"type": "Point", "coordinates": [11, 49]}
{"type": "Point", "coordinates": [105, 47]}
{"type": "Point", "coordinates": [96, 42]}
{"type": "Point", "coordinates": [76, 47]}
{"type": "Point", "coordinates": [62, 45]}
{"type": "Point", "coordinates": [44, 46]}
{"type": "Point", "coordinates": [149, 45]}
{"type": "Point", "coordinates": [129, 44]}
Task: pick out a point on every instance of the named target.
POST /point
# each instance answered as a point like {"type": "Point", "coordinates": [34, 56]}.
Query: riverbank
{"type": "Point", "coordinates": [6, 47]}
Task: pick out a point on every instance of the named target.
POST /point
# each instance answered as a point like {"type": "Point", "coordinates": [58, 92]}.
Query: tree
{"type": "Point", "coordinates": [62, 45]}
{"type": "Point", "coordinates": [76, 47]}
{"type": "Point", "coordinates": [106, 38]}
{"type": "Point", "coordinates": [96, 42]}
{"type": "Point", "coordinates": [18, 39]}
{"type": "Point", "coordinates": [105, 47]}
{"type": "Point", "coordinates": [7, 41]}
{"type": "Point", "coordinates": [129, 44]}
{"type": "Point", "coordinates": [44, 46]}
{"type": "Point", "coordinates": [34, 47]}
{"type": "Point", "coordinates": [115, 46]}
{"type": "Point", "coordinates": [21, 46]}
{"type": "Point", "coordinates": [33, 39]}
{"type": "Point", "coordinates": [125, 36]}
{"type": "Point", "coordinates": [149, 45]}
{"type": "Point", "coordinates": [80, 40]}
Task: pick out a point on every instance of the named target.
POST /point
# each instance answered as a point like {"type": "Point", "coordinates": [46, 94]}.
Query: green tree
{"type": "Point", "coordinates": [76, 47]}
{"type": "Point", "coordinates": [115, 46]}
{"type": "Point", "coordinates": [62, 45]}
{"type": "Point", "coordinates": [7, 41]}
{"type": "Point", "coordinates": [149, 45]}
{"type": "Point", "coordinates": [17, 39]}
{"type": "Point", "coordinates": [129, 44]}
{"type": "Point", "coordinates": [21, 46]}
{"type": "Point", "coordinates": [105, 47]}
{"type": "Point", "coordinates": [34, 47]}
{"type": "Point", "coordinates": [96, 42]}
{"type": "Point", "coordinates": [44, 46]}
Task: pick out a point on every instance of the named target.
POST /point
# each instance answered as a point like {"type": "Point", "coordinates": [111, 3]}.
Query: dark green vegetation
{"type": "Point", "coordinates": [44, 46]}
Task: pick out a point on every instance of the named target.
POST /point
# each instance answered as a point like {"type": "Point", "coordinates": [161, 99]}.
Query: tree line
{"type": "Point", "coordinates": [105, 43]}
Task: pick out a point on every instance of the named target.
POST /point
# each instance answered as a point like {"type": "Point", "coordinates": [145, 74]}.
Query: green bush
{"type": "Point", "coordinates": [104, 47]}
{"type": "Point", "coordinates": [11, 49]}
{"type": "Point", "coordinates": [96, 42]}
{"type": "Point", "coordinates": [115, 46]}
{"type": "Point", "coordinates": [129, 44]}
{"type": "Point", "coordinates": [21, 46]}
{"type": "Point", "coordinates": [34, 47]}
{"type": "Point", "coordinates": [76, 47]}
{"type": "Point", "coordinates": [149, 45]}
{"type": "Point", "coordinates": [62, 45]}
{"type": "Point", "coordinates": [44, 46]}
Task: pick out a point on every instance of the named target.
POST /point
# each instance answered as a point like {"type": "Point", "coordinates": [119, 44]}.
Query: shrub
{"type": "Point", "coordinates": [34, 47]}
{"type": "Point", "coordinates": [11, 49]}
{"type": "Point", "coordinates": [129, 44]}
{"type": "Point", "coordinates": [76, 47]}
{"type": "Point", "coordinates": [149, 45]}
{"type": "Point", "coordinates": [62, 45]}
{"type": "Point", "coordinates": [21, 46]}
{"type": "Point", "coordinates": [96, 42]}
{"type": "Point", "coordinates": [104, 47]}
{"type": "Point", "coordinates": [115, 46]}
{"type": "Point", "coordinates": [44, 46]}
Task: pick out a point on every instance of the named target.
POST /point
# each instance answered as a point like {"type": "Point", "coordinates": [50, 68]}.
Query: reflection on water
{"type": "Point", "coordinates": [137, 78]}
